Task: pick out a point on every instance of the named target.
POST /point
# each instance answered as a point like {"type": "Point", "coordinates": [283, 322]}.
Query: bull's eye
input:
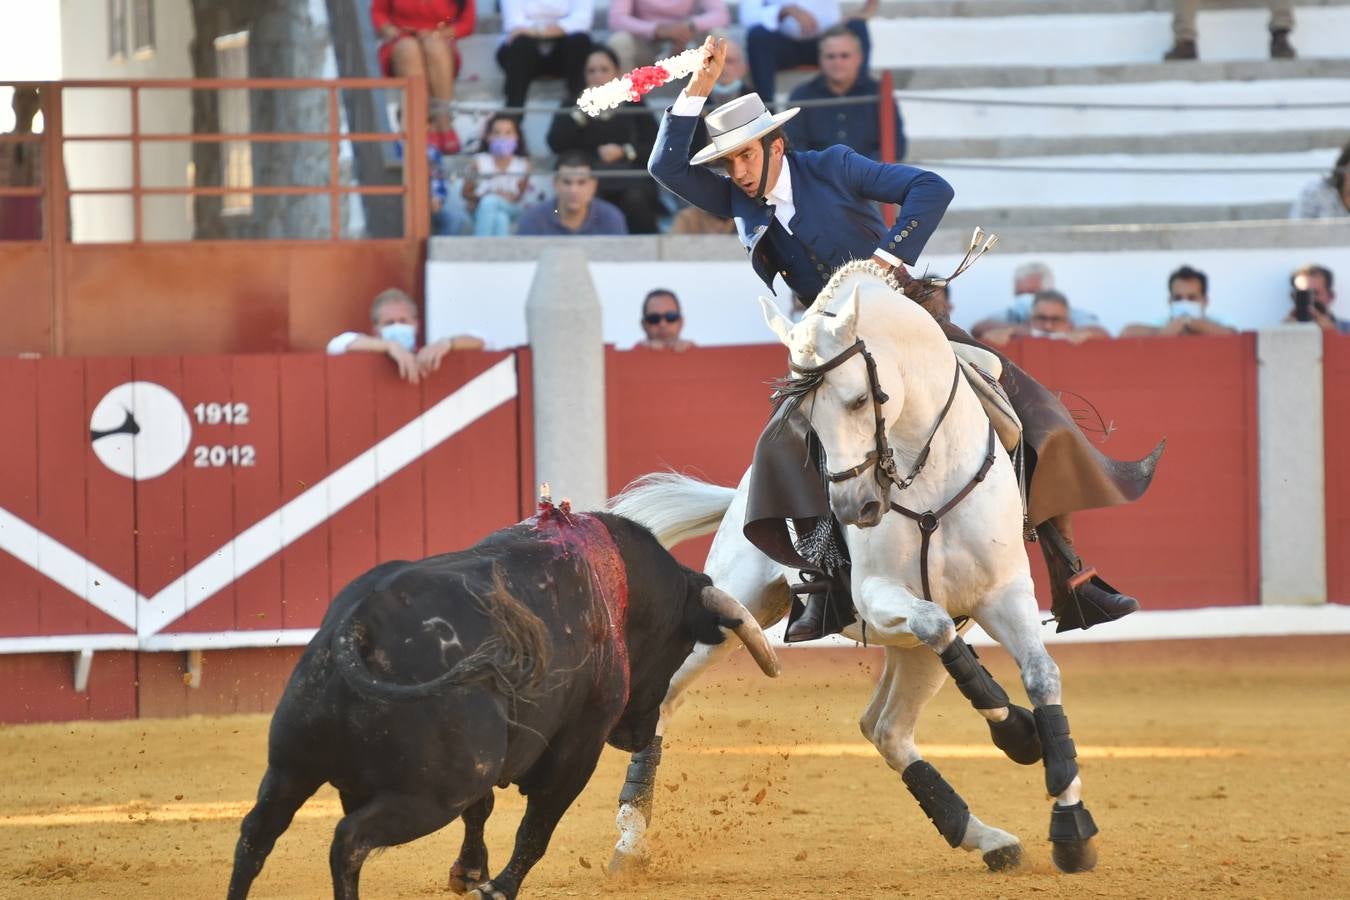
{"type": "Point", "coordinates": [858, 404]}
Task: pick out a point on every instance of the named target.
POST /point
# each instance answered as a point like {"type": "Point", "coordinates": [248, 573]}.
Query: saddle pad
{"type": "Point", "coordinates": [973, 362]}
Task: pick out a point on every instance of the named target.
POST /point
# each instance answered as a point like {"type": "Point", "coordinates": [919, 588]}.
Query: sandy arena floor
{"type": "Point", "coordinates": [1211, 768]}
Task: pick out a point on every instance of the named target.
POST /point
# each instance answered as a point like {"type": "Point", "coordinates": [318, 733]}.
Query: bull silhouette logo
{"type": "Point", "coordinates": [140, 430]}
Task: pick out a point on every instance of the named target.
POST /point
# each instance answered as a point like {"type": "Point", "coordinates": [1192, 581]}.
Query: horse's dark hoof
{"type": "Point", "coordinates": [1074, 856]}
{"type": "Point", "coordinates": [1004, 859]}
{"type": "Point", "coordinates": [1016, 736]}
{"type": "Point", "coordinates": [1071, 832]}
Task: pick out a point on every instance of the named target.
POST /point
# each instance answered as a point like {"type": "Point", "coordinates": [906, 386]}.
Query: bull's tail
{"type": "Point", "coordinates": [673, 507]}
{"type": "Point", "coordinates": [513, 660]}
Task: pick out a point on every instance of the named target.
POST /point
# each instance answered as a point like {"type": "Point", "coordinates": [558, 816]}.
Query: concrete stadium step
{"type": "Point", "coordinates": [996, 148]}
{"type": "Point", "coordinates": [1168, 108]}
{"type": "Point", "coordinates": [1002, 219]}
{"type": "Point", "coordinates": [1240, 184]}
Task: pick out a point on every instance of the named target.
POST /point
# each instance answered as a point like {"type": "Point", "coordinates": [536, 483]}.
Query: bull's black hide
{"type": "Point", "coordinates": [429, 683]}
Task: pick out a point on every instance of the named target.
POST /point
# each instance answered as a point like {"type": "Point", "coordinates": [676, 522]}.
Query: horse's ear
{"type": "Point", "coordinates": [845, 324]}
{"type": "Point", "coordinates": [778, 323]}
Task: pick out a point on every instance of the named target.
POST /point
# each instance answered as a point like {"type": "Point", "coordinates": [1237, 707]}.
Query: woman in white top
{"type": "Point", "coordinates": [500, 175]}
{"type": "Point", "coordinates": [544, 37]}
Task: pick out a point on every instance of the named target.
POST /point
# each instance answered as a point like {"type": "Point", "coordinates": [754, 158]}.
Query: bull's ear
{"type": "Point", "coordinates": [778, 323]}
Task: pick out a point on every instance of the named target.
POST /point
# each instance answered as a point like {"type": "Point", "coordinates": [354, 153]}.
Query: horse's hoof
{"type": "Point", "coordinates": [1074, 856]}
{"type": "Point", "coordinates": [627, 863]}
{"type": "Point", "coordinates": [1004, 859]}
{"type": "Point", "coordinates": [1016, 736]}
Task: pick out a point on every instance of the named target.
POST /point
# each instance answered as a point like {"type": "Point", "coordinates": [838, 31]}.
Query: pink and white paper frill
{"type": "Point", "coordinates": [640, 81]}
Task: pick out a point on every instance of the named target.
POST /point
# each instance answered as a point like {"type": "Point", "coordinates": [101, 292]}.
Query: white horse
{"type": "Point", "coordinates": [976, 565]}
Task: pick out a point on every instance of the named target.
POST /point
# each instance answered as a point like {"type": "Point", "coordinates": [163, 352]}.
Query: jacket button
{"type": "Point", "coordinates": [913, 223]}
{"type": "Point", "coordinates": [820, 267]}
{"type": "Point", "coordinates": [904, 234]}
{"type": "Point", "coordinates": [892, 245]}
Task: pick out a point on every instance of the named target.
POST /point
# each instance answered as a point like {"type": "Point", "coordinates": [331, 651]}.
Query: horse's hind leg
{"type": "Point", "coordinates": [738, 568]}
{"type": "Point", "coordinates": [1013, 623]}
{"type": "Point", "coordinates": [911, 678]}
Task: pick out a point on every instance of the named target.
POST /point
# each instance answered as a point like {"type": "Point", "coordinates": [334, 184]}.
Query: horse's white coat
{"type": "Point", "coordinates": [977, 564]}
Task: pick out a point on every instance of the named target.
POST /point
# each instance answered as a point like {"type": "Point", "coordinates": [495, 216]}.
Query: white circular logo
{"type": "Point", "coordinates": [140, 430]}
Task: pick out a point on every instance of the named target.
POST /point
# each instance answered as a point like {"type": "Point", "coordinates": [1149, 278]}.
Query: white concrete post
{"type": "Point", "coordinates": [1293, 499]}
{"type": "Point", "coordinates": [563, 320]}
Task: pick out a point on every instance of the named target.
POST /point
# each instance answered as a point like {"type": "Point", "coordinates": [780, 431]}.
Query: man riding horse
{"type": "Point", "coordinates": [802, 215]}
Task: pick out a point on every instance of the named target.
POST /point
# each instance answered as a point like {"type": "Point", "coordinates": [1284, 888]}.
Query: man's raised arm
{"type": "Point", "coordinates": [669, 162]}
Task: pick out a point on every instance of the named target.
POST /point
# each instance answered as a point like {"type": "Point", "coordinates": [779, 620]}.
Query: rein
{"type": "Point", "coordinates": [883, 457]}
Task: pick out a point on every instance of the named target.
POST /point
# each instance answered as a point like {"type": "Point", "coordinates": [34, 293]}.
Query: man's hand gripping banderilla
{"type": "Point", "coordinates": [714, 58]}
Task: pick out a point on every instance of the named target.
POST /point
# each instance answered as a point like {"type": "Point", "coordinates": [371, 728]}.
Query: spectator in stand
{"type": "Point", "coordinates": [1183, 30]}
{"type": "Point", "coordinates": [617, 140]}
{"type": "Point", "coordinates": [574, 210]}
{"type": "Point", "coordinates": [1050, 318]}
{"type": "Point", "coordinates": [1028, 280]}
{"type": "Point", "coordinates": [417, 40]}
{"type": "Point", "coordinates": [855, 125]}
{"type": "Point", "coordinates": [1329, 197]}
{"type": "Point", "coordinates": [647, 30]}
{"type": "Point", "coordinates": [1312, 297]}
{"type": "Point", "coordinates": [21, 166]}
{"type": "Point", "coordinates": [393, 331]}
{"type": "Point", "coordinates": [544, 37]}
{"type": "Point", "coordinates": [1187, 309]}
{"type": "Point", "coordinates": [499, 178]}
{"type": "Point", "coordinates": [662, 321]}
{"type": "Point", "coordinates": [786, 35]}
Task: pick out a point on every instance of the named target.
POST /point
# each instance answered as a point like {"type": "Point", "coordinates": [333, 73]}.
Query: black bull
{"type": "Point", "coordinates": [515, 661]}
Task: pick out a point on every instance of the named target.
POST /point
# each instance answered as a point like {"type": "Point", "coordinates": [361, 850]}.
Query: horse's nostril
{"type": "Point", "coordinates": [871, 511]}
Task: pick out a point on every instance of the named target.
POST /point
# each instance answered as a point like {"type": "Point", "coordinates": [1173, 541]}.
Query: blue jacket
{"type": "Point", "coordinates": [834, 192]}
{"type": "Point", "coordinates": [855, 125]}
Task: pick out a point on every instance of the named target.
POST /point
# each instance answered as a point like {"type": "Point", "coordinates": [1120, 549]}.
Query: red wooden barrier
{"type": "Point", "coordinates": [1191, 542]}
{"type": "Point", "coordinates": [698, 412]}
{"type": "Point", "coordinates": [1336, 378]}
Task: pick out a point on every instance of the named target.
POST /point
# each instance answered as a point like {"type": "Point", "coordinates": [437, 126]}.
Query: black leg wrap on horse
{"type": "Point", "coordinates": [641, 780]}
{"type": "Point", "coordinates": [1061, 766]}
{"type": "Point", "coordinates": [1071, 823]}
{"type": "Point", "coordinates": [973, 679]}
{"type": "Point", "coordinates": [939, 801]}
{"type": "Point", "coordinates": [1016, 736]}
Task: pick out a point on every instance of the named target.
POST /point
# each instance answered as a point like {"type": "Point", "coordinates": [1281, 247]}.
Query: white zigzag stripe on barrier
{"type": "Point", "coordinates": [260, 541]}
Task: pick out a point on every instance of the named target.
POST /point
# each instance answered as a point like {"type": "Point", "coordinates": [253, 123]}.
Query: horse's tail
{"type": "Point", "coordinates": [513, 660]}
{"type": "Point", "coordinates": [674, 507]}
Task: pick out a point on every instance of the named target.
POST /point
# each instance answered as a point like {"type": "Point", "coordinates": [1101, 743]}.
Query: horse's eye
{"type": "Point", "coordinates": [858, 404]}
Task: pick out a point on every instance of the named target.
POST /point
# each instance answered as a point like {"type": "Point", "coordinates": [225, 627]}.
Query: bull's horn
{"type": "Point", "coordinates": [748, 631]}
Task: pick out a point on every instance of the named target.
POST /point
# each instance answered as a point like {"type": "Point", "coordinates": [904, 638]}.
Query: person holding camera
{"type": "Point", "coordinates": [1187, 309]}
{"type": "Point", "coordinates": [1312, 295]}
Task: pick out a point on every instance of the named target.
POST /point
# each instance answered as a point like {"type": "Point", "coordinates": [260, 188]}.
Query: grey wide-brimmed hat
{"type": "Point", "coordinates": [736, 123]}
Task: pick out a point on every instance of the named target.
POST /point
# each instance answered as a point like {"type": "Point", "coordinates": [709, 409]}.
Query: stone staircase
{"type": "Point", "coordinates": [970, 73]}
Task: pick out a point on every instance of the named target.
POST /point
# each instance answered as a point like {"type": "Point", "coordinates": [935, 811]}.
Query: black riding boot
{"type": "Point", "coordinates": [1079, 597]}
{"type": "Point", "coordinates": [810, 625]}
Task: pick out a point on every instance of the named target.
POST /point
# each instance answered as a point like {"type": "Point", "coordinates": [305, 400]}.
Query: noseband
{"type": "Point", "coordinates": [881, 456]}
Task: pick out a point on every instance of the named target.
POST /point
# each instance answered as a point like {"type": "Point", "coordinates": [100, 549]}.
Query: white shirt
{"type": "Point", "coordinates": [780, 195]}
{"type": "Point", "coordinates": [766, 13]}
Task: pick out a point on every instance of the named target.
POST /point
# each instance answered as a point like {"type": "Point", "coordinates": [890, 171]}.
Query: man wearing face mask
{"type": "Point", "coordinates": [1051, 318]}
{"type": "Point", "coordinates": [803, 214]}
{"type": "Point", "coordinates": [393, 331]}
{"type": "Point", "coordinates": [1187, 309]}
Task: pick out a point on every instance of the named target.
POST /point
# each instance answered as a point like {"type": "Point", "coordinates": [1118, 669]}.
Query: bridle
{"type": "Point", "coordinates": [883, 457]}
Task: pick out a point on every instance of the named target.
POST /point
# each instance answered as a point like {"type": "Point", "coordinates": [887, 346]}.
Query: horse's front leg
{"type": "Point", "coordinates": [1012, 727]}
{"type": "Point", "coordinates": [1012, 620]}
{"type": "Point", "coordinates": [910, 679]}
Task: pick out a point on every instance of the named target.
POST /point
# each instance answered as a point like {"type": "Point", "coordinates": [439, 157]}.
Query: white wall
{"type": "Point", "coordinates": [84, 50]}
{"type": "Point", "coordinates": [1248, 289]}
